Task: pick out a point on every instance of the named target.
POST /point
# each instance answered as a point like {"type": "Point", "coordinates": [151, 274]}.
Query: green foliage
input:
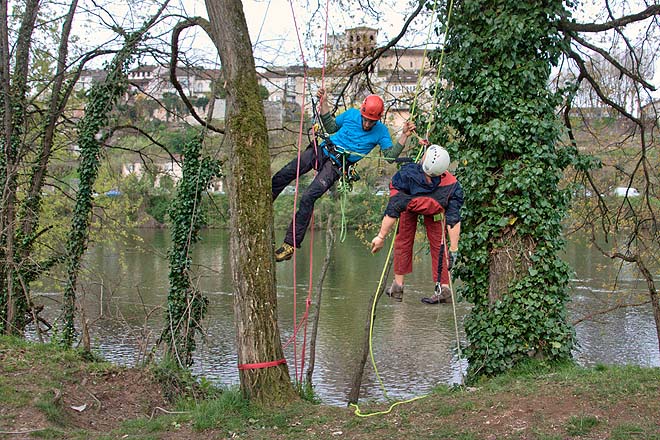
{"type": "Point", "coordinates": [263, 92]}
{"type": "Point", "coordinates": [174, 140]}
{"type": "Point", "coordinates": [51, 410]}
{"type": "Point", "coordinates": [498, 121]}
{"type": "Point", "coordinates": [178, 383]}
{"type": "Point", "coordinates": [173, 104]}
{"type": "Point", "coordinates": [306, 392]}
{"type": "Point", "coordinates": [229, 411]}
{"type": "Point", "coordinates": [157, 207]}
{"type": "Point", "coordinates": [200, 101]}
{"type": "Point", "coordinates": [186, 305]}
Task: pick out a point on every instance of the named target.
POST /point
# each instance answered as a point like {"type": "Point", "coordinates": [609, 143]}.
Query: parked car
{"type": "Point", "coordinates": [113, 193]}
{"type": "Point", "coordinates": [622, 191]}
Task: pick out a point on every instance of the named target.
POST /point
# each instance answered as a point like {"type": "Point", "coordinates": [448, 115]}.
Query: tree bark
{"type": "Point", "coordinates": [251, 213]}
{"type": "Point", "coordinates": [509, 261]}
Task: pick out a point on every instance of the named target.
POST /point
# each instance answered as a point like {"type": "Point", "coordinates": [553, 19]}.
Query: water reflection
{"type": "Point", "coordinates": [414, 344]}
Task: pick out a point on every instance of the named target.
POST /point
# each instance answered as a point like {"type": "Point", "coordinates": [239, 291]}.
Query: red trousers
{"type": "Point", "coordinates": [405, 239]}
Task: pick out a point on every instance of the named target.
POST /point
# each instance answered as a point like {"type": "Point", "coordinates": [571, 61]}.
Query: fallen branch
{"type": "Point", "coordinates": [166, 412]}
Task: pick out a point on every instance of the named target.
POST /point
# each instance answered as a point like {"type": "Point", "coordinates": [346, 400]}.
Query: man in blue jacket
{"type": "Point", "coordinates": [354, 133]}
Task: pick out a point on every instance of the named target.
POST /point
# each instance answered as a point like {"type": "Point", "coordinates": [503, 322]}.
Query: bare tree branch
{"type": "Point", "coordinates": [367, 63]}
{"type": "Point", "coordinates": [571, 26]}
{"type": "Point", "coordinates": [194, 21]}
{"type": "Point", "coordinates": [591, 316]}
{"type": "Point", "coordinates": [613, 61]}
{"type": "Point", "coordinates": [594, 84]}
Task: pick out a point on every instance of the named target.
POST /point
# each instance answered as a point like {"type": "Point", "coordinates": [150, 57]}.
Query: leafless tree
{"type": "Point", "coordinates": [613, 116]}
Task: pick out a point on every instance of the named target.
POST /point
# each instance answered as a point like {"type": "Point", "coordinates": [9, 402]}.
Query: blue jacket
{"type": "Point", "coordinates": [351, 138]}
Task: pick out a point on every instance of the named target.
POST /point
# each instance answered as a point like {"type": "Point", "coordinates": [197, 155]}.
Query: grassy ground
{"type": "Point", "coordinates": [49, 394]}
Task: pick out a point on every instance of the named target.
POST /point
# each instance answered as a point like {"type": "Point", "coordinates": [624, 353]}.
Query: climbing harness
{"type": "Point", "coordinates": [347, 170]}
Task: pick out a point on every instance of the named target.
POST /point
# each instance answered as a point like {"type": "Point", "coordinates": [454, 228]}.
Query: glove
{"type": "Point", "coordinates": [453, 256]}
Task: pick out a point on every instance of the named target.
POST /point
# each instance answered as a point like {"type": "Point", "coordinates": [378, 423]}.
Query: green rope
{"type": "Point", "coordinates": [344, 187]}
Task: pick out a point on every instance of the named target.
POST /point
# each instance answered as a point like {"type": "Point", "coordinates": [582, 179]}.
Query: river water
{"type": "Point", "coordinates": [414, 345]}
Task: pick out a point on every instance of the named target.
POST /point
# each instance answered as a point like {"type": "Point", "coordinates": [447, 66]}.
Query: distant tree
{"type": "Point", "coordinates": [201, 101]}
{"type": "Point", "coordinates": [263, 92]}
{"type": "Point", "coordinates": [612, 63]}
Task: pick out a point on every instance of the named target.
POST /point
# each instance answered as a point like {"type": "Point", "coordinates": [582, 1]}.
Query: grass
{"type": "Point", "coordinates": [581, 425]}
{"type": "Point", "coordinates": [536, 400]}
{"type": "Point", "coordinates": [628, 431]}
{"type": "Point", "coordinates": [52, 411]}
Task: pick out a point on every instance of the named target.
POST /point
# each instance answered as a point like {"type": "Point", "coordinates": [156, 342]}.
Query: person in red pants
{"type": "Point", "coordinates": [430, 190]}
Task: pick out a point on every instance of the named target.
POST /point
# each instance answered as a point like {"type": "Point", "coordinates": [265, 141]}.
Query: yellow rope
{"type": "Point", "coordinates": [357, 411]}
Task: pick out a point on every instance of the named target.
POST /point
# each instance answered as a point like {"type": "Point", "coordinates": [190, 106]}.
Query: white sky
{"type": "Point", "coordinates": [273, 29]}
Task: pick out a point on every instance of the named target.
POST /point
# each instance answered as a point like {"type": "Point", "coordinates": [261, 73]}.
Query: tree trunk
{"type": "Point", "coordinates": [251, 213]}
{"type": "Point", "coordinates": [509, 261]}
{"type": "Point", "coordinates": [14, 103]}
{"type": "Point", "coordinates": [499, 125]}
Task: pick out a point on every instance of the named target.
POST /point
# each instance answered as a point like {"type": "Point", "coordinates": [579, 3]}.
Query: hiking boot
{"type": "Point", "coordinates": [395, 291]}
{"type": "Point", "coordinates": [284, 252]}
{"type": "Point", "coordinates": [442, 295]}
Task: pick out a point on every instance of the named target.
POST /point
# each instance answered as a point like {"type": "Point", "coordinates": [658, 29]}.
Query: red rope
{"type": "Point", "coordinates": [295, 198]}
{"type": "Point", "coordinates": [303, 321]}
{"type": "Point", "coordinates": [261, 365]}
{"type": "Point", "coordinates": [308, 302]}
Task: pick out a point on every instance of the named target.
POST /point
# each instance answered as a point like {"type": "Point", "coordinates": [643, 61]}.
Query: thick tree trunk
{"type": "Point", "coordinates": [509, 262]}
{"type": "Point", "coordinates": [251, 213]}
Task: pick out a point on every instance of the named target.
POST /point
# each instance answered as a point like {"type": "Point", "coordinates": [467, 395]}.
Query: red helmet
{"type": "Point", "coordinates": [372, 107]}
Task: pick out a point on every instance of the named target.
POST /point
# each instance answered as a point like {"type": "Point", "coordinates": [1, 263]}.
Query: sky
{"type": "Point", "coordinates": [285, 35]}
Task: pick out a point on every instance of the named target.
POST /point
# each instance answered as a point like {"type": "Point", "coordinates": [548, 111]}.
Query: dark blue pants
{"type": "Point", "coordinates": [312, 158]}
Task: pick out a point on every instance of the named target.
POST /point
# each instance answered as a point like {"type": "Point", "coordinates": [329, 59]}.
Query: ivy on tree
{"type": "Point", "coordinates": [498, 120]}
{"type": "Point", "coordinates": [186, 306]}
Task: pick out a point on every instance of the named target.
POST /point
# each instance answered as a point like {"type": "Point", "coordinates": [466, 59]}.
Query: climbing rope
{"type": "Point", "coordinates": [308, 301]}
{"type": "Point", "coordinates": [357, 411]}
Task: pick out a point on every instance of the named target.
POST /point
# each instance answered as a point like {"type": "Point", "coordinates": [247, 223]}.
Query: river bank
{"type": "Point", "coordinates": [48, 393]}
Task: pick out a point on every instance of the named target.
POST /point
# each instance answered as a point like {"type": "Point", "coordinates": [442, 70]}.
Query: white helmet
{"type": "Point", "coordinates": [436, 161]}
